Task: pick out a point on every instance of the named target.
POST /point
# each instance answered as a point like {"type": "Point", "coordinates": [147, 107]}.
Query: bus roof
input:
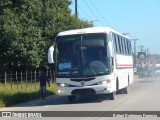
{"type": "Point", "coordinates": [89, 30]}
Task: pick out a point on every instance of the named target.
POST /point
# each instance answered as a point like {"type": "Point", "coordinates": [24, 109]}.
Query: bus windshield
{"type": "Point", "coordinates": [82, 55]}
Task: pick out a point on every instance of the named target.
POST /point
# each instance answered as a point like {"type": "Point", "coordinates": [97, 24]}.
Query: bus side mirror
{"type": "Point", "coordinates": [110, 49]}
{"type": "Point", "coordinates": [50, 55]}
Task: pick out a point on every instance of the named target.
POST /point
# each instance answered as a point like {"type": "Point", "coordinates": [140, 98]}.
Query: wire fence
{"type": "Point", "coordinates": [18, 81]}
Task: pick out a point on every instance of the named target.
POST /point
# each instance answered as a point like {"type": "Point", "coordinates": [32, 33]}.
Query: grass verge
{"type": "Point", "coordinates": [11, 94]}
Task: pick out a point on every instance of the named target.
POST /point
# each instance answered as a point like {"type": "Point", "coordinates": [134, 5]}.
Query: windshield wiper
{"type": "Point", "coordinates": [92, 71]}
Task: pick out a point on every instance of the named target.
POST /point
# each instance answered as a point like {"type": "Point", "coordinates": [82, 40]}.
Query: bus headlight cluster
{"type": "Point", "coordinates": [104, 82]}
{"type": "Point", "coordinates": [62, 84]}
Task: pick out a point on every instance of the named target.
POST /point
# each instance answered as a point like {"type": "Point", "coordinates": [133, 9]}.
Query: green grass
{"type": "Point", "coordinates": [11, 94]}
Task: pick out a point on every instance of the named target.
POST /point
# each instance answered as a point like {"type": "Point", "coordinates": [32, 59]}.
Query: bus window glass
{"type": "Point", "coordinates": [122, 50]}
{"type": "Point", "coordinates": [120, 44]}
{"type": "Point", "coordinates": [94, 54]}
{"type": "Point", "coordinates": [67, 52]}
{"type": "Point", "coordinates": [115, 43]}
{"type": "Point", "coordinates": [130, 48]}
{"type": "Point", "coordinates": [124, 46]}
{"type": "Point", "coordinates": [82, 55]}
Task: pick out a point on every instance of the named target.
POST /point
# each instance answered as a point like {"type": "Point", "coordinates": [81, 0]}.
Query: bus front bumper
{"type": "Point", "coordinates": [84, 90]}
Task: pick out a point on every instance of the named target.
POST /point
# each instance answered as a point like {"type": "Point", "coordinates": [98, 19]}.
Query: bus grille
{"type": "Point", "coordinates": [83, 91]}
{"type": "Point", "coordinates": [82, 79]}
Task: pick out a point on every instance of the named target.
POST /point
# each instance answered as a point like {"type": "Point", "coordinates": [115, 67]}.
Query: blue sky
{"type": "Point", "coordinates": [139, 18]}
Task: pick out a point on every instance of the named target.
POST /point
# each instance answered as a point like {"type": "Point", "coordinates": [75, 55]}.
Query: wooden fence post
{"type": "Point", "coordinates": [21, 80]}
{"type": "Point", "coordinates": [11, 84]}
{"type": "Point", "coordinates": [31, 80]}
{"type": "Point", "coordinates": [5, 83]}
{"type": "Point", "coordinates": [26, 81]}
{"type": "Point", "coordinates": [17, 81]}
{"type": "Point", "coordinates": [35, 79]}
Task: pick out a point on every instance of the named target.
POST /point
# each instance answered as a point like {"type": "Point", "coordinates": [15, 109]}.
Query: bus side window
{"type": "Point", "coordinates": [120, 44]}
{"type": "Point", "coordinates": [125, 43]}
{"type": "Point", "coordinates": [124, 46]}
{"type": "Point", "coordinates": [130, 48]}
{"type": "Point", "coordinates": [117, 45]}
{"type": "Point", "coordinates": [121, 39]}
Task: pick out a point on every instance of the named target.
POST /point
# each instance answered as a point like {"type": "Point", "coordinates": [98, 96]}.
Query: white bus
{"type": "Point", "coordinates": [96, 60]}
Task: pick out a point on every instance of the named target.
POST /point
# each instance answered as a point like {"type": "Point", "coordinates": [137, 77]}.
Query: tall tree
{"type": "Point", "coordinates": [29, 27]}
{"type": "Point", "coordinates": [21, 33]}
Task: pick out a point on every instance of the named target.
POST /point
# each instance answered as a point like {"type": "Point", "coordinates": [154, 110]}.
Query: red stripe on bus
{"type": "Point", "coordinates": [124, 64]}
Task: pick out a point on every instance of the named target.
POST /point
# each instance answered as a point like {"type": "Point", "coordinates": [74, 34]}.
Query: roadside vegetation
{"type": "Point", "coordinates": [21, 93]}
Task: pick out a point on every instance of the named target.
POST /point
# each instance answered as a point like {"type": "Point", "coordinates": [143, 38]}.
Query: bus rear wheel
{"type": "Point", "coordinates": [124, 90]}
{"type": "Point", "coordinates": [72, 98]}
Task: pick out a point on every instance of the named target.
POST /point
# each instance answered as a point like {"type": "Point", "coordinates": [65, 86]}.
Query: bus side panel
{"type": "Point", "coordinates": [124, 70]}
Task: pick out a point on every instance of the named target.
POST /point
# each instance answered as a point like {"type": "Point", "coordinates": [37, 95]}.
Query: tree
{"type": "Point", "coordinates": [21, 40]}
{"type": "Point", "coordinates": [29, 27]}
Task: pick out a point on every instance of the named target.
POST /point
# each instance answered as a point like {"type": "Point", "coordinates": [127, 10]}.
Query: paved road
{"type": "Point", "coordinates": [144, 95]}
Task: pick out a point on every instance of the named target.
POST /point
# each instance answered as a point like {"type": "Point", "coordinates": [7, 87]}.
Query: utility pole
{"type": "Point", "coordinates": [76, 11]}
{"type": "Point", "coordinates": [147, 51]}
{"type": "Point", "coordinates": [148, 58]}
{"type": "Point", "coordinates": [134, 45]}
{"type": "Point", "coordinates": [141, 47]}
{"type": "Point", "coordinates": [135, 62]}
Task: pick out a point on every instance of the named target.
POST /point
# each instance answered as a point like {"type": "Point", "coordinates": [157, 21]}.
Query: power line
{"type": "Point", "coordinates": [93, 12]}
{"type": "Point", "coordinates": [99, 13]}
{"type": "Point", "coordinates": [76, 9]}
{"type": "Point", "coordinates": [83, 11]}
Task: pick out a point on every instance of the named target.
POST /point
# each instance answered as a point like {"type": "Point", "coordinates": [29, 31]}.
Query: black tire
{"type": "Point", "coordinates": [124, 90]}
{"type": "Point", "coordinates": [72, 98]}
{"type": "Point", "coordinates": [111, 96]}
{"type": "Point", "coordinates": [117, 87]}
{"type": "Point", "coordinates": [128, 81]}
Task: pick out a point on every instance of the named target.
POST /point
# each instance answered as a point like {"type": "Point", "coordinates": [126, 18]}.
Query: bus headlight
{"type": "Point", "coordinates": [62, 84]}
{"type": "Point", "coordinates": [104, 82]}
